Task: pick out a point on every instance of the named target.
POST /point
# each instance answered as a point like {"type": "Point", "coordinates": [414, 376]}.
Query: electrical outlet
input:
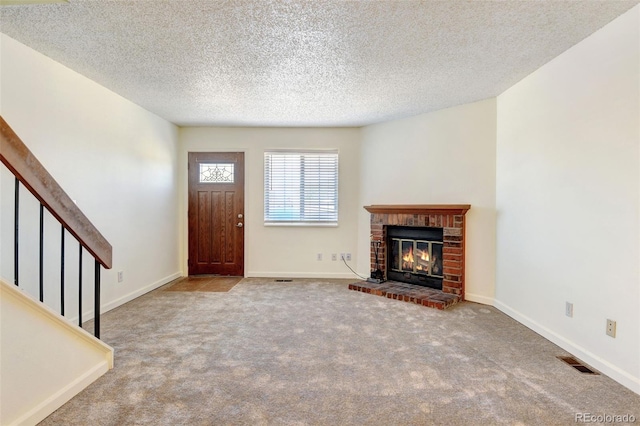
{"type": "Point", "coordinates": [568, 309]}
{"type": "Point", "coordinates": [319, 256]}
{"type": "Point", "coordinates": [120, 276]}
{"type": "Point", "coordinates": [611, 328]}
{"type": "Point", "coordinates": [348, 257]}
{"type": "Point", "coordinates": [334, 256]}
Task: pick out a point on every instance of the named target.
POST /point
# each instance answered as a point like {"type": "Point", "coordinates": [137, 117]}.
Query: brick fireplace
{"type": "Point", "coordinates": [450, 218]}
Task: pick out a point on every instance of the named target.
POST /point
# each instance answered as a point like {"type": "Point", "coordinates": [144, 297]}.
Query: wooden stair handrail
{"type": "Point", "coordinates": [31, 173]}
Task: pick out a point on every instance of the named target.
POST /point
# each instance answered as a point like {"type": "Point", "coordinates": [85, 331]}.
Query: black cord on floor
{"type": "Point", "coordinates": [357, 275]}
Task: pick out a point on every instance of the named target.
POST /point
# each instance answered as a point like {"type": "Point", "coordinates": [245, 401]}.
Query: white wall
{"type": "Point", "coordinates": [284, 251]}
{"type": "Point", "coordinates": [568, 199]}
{"type": "Point", "coordinates": [445, 157]}
{"type": "Point", "coordinates": [117, 160]}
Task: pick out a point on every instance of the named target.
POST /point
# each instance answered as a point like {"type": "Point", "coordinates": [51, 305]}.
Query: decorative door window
{"type": "Point", "coordinates": [216, 173]}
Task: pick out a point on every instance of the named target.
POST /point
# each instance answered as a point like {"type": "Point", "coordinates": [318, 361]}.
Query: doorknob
{"type": "Point", "coordinates": [239, 225]}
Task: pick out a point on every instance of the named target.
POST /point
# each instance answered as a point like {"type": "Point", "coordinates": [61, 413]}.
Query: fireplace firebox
{"type": "Point", "coordinates": [415, 255]}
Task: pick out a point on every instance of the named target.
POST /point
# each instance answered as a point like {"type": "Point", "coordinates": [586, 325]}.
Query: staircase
{"type": "Point", "coordinates": [45, 358]}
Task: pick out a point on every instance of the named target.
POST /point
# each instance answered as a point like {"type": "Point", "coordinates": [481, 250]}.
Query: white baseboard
{"type": "Point", "coordinates": [57, 400]}
{"type": "Point", "coordinates": [479, 299]}
{"type": "Point", "coordinates": [137, 293]}
{"type": "Point", "coordinates": [321, 275]}
{"type": "Point", "coordinates": [602, 365]}
{"type": "Point", "coordinates": [88, 315]}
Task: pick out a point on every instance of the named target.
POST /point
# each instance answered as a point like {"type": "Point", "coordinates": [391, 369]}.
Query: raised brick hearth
{"type": "Point", "coordinates": [449, 217]}
{"type": "Point", "coordinates": [424, 296]}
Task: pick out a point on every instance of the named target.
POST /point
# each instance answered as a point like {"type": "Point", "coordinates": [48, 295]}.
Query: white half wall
{"type": "Point", "coordinates": [275, 251]}
{"type": "Point", "coordinates": [444, 157]}
{"type": "Point", "coordinates": [568, 199]}
{"type": "Point", "coordinates": [46, 360]}
{"type": "Point", "coordinates": [117, 160]}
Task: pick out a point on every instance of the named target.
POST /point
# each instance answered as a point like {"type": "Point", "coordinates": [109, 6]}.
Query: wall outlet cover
{"type": "Point", "coordinates": [611, 328]}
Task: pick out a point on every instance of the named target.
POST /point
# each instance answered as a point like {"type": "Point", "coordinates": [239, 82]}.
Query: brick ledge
{"type": "Point", "coordinates": [424, 296]}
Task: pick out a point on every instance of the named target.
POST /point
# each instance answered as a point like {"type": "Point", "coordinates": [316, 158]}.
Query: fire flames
{"type": "Point", "coordinates": [421, 259]}
{"type": "Point", "coordinates": [407, 259]}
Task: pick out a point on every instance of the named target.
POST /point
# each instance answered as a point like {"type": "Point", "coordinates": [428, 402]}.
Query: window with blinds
{"type": "Point", "coordinates": [301, 187]}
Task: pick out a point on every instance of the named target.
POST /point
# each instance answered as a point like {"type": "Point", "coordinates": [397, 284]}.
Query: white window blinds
{"type": "Point", "coordinates": [301, 187]}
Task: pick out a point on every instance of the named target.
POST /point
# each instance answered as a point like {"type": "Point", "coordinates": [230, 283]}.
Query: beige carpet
{"type": "Point", "coordinates": [203, 283]}
{"type": "Point", "coordinates": [313, 352]}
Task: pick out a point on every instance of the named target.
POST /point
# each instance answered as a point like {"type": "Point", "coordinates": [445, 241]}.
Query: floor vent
{"type": "Point", "coordinates": [283, 281]}
{"type": "Point", "coordinates": [577, 364]}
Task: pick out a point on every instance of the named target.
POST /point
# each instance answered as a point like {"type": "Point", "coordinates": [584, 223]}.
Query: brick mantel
{"type": "Point", "coordinates": [449, 217]}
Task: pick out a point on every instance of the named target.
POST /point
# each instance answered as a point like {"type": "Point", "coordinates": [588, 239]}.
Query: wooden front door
{"type": "Point", "coordinates": [216, 213]}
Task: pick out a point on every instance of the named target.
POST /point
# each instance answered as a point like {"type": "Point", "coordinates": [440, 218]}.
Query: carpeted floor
{"type": "Point", "coordinates": [313, 352]}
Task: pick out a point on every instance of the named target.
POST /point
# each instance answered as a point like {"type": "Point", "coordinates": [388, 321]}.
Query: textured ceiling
{"type": "Point", "coordinates": [304, 63]}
